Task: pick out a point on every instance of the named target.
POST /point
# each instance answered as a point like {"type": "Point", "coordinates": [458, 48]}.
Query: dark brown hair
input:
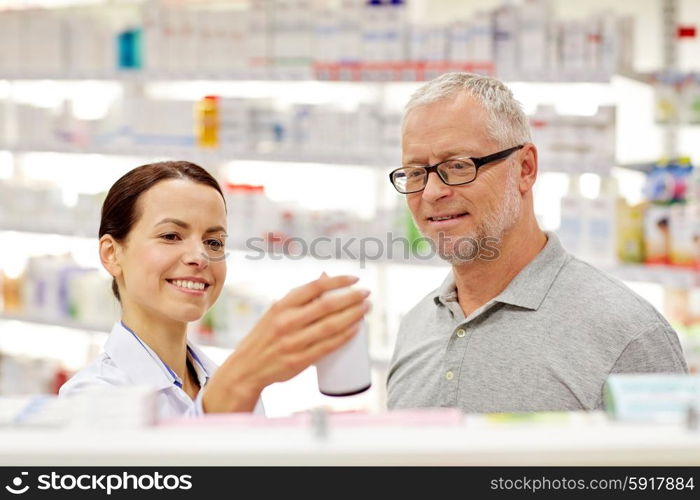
{"type": "Point", "coordinates": [119, 210]}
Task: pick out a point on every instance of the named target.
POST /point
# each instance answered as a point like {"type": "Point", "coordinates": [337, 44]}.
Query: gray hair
{"type": "Point", "coordinates": [507, 123]}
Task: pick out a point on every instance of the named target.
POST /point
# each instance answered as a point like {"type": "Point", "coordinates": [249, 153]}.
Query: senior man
{"type": "Point", "coordinates": [518, 324]}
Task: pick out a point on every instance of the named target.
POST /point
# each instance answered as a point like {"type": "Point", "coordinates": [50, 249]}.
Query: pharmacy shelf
{"type": "Point", "coordinates": [397, 438]}
{"type": "Point", "coordinates": [291, 73]}
{"type": "Point", "coordinates": [369, 73]}
{"type": "Point", "coordinates": [644, 167]}
{"type": "Point", "coordinates": [673, 277]}
{"type": "Point", "coordinates": [209, 156]}
{"type": "Point", "coordinates": [374, 73]}
{"type": "Point", "coordinates": [60, 322]}
{"type": "Point", "coordinates": [382, 160]}
{"type": "Point", "coordinates": [380, 358]}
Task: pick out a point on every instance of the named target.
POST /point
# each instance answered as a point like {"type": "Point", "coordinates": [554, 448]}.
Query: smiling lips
{"type": "Point", "coordinates": [190, 285]}
{"type": "Point", "coordinates": [442, 218]}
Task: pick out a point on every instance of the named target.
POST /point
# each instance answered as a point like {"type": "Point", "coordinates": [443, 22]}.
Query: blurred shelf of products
{"type": "Point", "coordinates": [355, 40]}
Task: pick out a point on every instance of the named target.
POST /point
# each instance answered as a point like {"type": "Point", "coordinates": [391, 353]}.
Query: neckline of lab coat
{"type": "Point", "coordinates": [143, 366]}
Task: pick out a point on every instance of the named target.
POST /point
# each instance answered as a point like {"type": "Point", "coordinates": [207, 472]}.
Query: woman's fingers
{"type": "Point", "coordinates": [318, 309]}
{"type": "Point", "coordinates": [325, 328]}
{"type": "Point", "coordinates": [306, 293]}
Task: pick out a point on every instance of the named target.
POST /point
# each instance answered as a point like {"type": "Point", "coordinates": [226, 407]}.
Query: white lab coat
{"type": "Point", "coordinates": [126, 360]}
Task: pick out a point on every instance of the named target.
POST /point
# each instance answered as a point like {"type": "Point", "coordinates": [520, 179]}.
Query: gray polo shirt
{"type": "Point", "coordinates": [546, 343]}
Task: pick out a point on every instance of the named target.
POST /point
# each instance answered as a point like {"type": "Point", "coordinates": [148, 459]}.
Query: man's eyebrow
{"type": "Point", "coordinates": [456, 153]}
{"type": "Point", "coordinates": [185, 225]}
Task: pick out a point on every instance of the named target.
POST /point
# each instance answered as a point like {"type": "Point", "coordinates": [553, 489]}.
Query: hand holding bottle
{"type": "Point", "coordinates": [294, 333]}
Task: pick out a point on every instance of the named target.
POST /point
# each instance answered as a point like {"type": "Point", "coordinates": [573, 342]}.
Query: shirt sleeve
{"type": "Point", "coordinates": [655, 350]}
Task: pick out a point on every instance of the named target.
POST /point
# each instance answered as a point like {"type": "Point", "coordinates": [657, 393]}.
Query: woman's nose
{"type": "Point", "coordinates": [196, 255]}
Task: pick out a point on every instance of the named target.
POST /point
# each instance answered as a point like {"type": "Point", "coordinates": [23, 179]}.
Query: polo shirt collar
{"type": "Point", "coordinates": [447, 291]}
{"type": "Point", "coordinates": [143, 366]}
{"type": "Point", "coordinates": [529, 287]}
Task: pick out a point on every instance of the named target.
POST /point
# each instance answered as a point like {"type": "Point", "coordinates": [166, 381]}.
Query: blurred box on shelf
{"type": "Point", "coordinates": [32, 411]}
{"type": "Point", "coordinates": [24, 375]}
{"type": "Point", "coordinates": [575, 144]}
{"type": "Point", "coordinates": [630, 231]}
{"type": "Point", "coordinates": [657, 234]}
{"type": "Point", "coordinates": [682, 310]}
{"type": "Point", "coordinates": [662, 398]}
{"type": "Point", "coordinates": [113, 407]}
{"type": "Point", "coordinates": [685, 235]}
{"type": "Point", "coordinates": [96, 407]}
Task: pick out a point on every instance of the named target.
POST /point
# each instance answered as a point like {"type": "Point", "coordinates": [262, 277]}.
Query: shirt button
{"type": "Point", "coordinates": [449, 375]}
{"type": "Point", "coordinates": [461, 333]}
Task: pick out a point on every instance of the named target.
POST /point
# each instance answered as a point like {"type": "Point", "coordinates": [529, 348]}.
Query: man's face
{"type": "Point", "coordinates": [487, 207]}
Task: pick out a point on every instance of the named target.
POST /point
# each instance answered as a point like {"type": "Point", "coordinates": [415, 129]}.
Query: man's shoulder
{"type": "Point", "coordinates": [587, 289]}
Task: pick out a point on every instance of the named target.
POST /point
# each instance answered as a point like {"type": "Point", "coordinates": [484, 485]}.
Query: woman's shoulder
{"type": "Point", "coordinates": [102, 371]}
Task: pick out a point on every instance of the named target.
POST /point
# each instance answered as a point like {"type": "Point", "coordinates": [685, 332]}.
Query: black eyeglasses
{"type": "Point", "coordinates": [453, 172]}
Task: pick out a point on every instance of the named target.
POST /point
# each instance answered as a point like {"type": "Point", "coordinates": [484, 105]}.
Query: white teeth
{"type": "Point", "coordinates": [192, 285]}
{"type": "Point", "coordinates": [445, 218]}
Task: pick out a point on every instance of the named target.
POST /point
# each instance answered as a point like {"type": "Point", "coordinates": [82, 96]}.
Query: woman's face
{"type": "Point", "coordinates": [173, 260]}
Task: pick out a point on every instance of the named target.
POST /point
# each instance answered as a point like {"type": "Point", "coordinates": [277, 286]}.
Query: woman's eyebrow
{"type": "Point", "coordinates": [185, 225]}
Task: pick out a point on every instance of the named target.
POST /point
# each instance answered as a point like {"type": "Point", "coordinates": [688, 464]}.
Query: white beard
{"type": "Point", "coordinates": [493, 225]}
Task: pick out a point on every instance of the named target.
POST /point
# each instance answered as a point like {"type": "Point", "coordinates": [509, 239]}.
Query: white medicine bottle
{"type": "Point", "coordinates": [346, 371]}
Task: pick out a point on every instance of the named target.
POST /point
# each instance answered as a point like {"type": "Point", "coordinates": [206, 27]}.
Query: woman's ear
{"type": "Point", "coordinates": [109, 248]}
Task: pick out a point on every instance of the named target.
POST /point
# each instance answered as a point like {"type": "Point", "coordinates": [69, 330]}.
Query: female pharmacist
{"type": "Point", "coordinates": [162, 236]}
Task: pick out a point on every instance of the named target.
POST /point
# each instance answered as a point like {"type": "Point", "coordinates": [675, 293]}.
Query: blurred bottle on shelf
{"type": "Point", "coordinates": [690, 107]}
{"type": "Point", "coordinates": [666, 87]}
{"type": "Point", "coordinates": [55, 288]}
{"type": "Point", "coordinates": [250, 213]}
{"type": "Point", "coordinates": [600, 226]}
{"type": "Point", "coordinates": [129, 48]}
{"type": "Point", "coordinates": [11, 293]}
{"type": "Point", "coordinates": [573, 212]}
{"type": "Point", "coordinates": [682, 310]}
{"type": "Point", "coordinates": [207, 122]}
{"type": "Point", "coordinates": [629, 224]}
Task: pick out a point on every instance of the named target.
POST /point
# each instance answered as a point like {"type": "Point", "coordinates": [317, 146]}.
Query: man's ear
{"type": "Point", "coordinates": [109, 249]}
{"type": "Point", "coordinates": [528, 167]}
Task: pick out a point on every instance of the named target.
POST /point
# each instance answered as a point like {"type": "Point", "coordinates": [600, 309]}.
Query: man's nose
{"type": "Point", "coordinates": [435, 188]}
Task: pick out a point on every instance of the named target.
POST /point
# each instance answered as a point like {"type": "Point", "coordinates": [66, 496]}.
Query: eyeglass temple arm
{"type": "Point", "coordinates": [496, 156]}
